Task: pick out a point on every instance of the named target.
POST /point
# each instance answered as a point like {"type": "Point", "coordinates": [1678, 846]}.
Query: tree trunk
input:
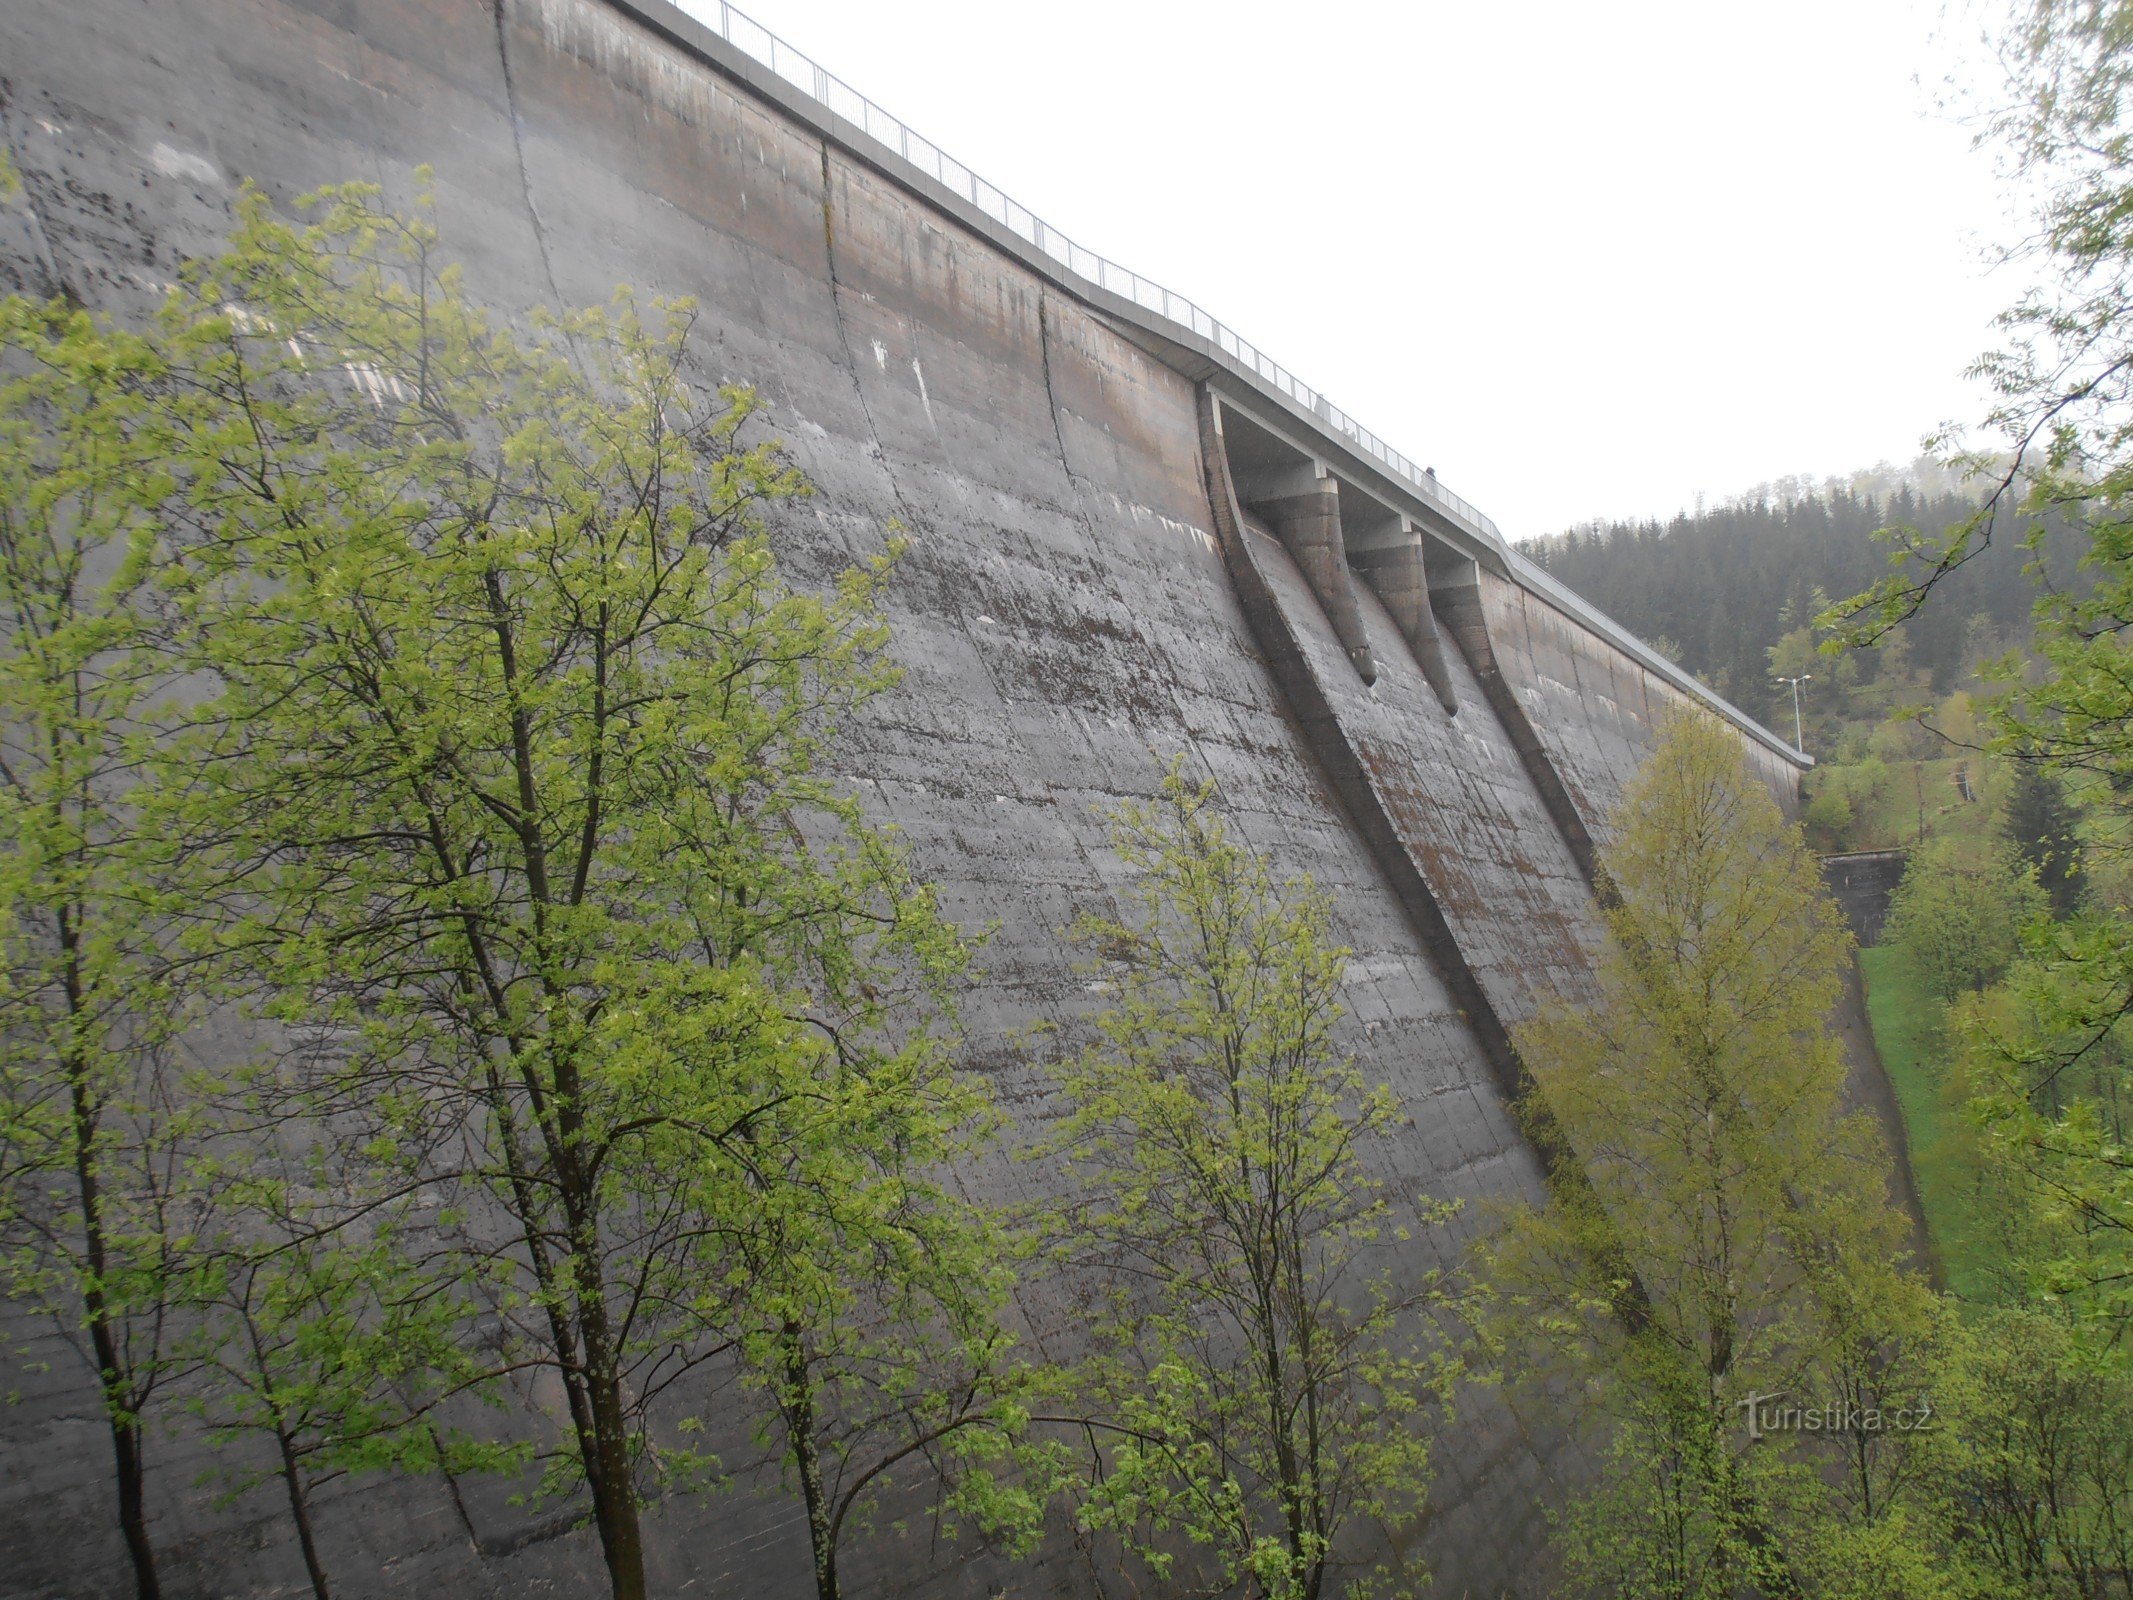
{"type": "Point", "coordinates": [96, 1311]}
{"type": "Point", "coordinates": [799, 1410]}
{"type": "Point", "coordinates": [292, 1475]}
{"type": "Point", "coordinates": [578, 1334]}
{"type": "Point", "coordinates": [613, 1486]}
{"type": "Point", "coordinates": [133, 1517]}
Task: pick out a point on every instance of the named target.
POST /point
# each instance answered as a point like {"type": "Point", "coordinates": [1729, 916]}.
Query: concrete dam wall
{"type": "Point", "coordinates": [1863, 883]}
{"type": "Point", "coordinates": [1129, 541]}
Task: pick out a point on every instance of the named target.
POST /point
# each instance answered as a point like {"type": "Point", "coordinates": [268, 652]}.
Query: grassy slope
{"type": "Point", "coordinates": [1889, 814]}
{"type": "Point", "coordinates": [1906, 1025]}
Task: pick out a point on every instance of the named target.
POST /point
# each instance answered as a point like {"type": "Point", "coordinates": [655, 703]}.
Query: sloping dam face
{"type": "Point", "coordinates": [1126, 544]}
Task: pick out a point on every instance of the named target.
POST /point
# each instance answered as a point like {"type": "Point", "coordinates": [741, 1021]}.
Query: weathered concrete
{"type": "Point", "coordinates": [1863, 884]}
{"type": "Point", "coordinates": [1067, 620]}
{"type": "Point", "coordinates": [1396, 566]}
{"type": "Point", "coordinates": [1305, 515]}
{"type": "Point", "coordinates": [1458, 595]}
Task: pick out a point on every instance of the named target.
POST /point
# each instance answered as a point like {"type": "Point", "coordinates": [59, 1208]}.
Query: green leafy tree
{"type": "Point", "coordinates": [93, 1213]}
{"type": "Point", "coordinates": [332, 1340]}
{"type": "Point", "coordinates": [2047, 1052]}
{"type": "Point", "coordinates": [1793, 654]}
{"type": "Point", "coordinates": [1957, 916]}
{"type": "Point", "coordinates": [878, 1338]}
{"type": "Point", "coordinates": [1261, 1381]}
{"type": "Point", "coordinates": [515, 779]}
{"type": "Point", "coordinates": [1829, 816]}
{"type": "Point", "coordinates": [2036, 1459]}
{"type": "Point", "coordinates": [1705, 1094]}
{"type": "Point", "coordinates": [2042, 826]}
{"type": "Point", "coordinates": [2046, 1063]}
{"type": "Point", "coordinates": [1667, 1520]}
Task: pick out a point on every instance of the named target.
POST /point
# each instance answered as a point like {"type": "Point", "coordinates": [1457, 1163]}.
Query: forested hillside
{"type": "Point", "coordinates": [1720, 587]}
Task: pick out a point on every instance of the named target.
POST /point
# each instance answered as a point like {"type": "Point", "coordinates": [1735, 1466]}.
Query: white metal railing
{"type": "Point", "coordinates": [802, 72]}
{"type": "Point", "coordinates": [810, 78]}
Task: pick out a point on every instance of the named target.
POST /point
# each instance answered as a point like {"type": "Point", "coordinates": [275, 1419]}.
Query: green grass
{"type": "Point", "coordinates": [1907, 1032]}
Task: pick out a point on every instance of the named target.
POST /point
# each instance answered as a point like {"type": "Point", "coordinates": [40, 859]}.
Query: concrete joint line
{"type": "Point", "coordinates": [518, 151]}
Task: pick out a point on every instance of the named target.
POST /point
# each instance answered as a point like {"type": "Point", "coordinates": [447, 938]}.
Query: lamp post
{"type": "Point", "coordinates": [1798, 743]}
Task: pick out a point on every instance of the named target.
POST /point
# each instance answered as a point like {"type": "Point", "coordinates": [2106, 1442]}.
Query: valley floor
{"type": "Point", "coordinates": [1908, 1033]}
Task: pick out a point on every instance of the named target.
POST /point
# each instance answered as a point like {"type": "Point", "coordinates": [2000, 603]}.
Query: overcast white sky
{"type": "Point", "coordinates": [1586, 260]}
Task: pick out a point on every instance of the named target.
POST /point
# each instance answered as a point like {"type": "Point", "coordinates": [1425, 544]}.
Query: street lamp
{"type": "Point", "coordinates": [1798, 743]}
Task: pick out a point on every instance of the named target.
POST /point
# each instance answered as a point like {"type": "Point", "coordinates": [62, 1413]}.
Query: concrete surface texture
{"type": "Point", "coordinates": [1863, 883]}
{"type": "Point", "coordinates": [1428, 736]}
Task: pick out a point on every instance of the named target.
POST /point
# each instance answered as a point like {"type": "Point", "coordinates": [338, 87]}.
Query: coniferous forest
{"type": "Point", "coordinates": [1719, 586]}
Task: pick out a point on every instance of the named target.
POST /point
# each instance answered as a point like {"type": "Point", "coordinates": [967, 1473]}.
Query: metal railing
{"type": "Point", "coordinates": [807, 75]}
{"type": "Point", "coordinates": [804, 74]}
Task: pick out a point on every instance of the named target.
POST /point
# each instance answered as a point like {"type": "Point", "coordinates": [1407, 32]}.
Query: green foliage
{"type": "Point", "coordinates": [333, 1342]}
{"type": "Point", "coordinates": [1924, 773]}
{"type": "Point", "coordinates": [1664, 1522]}
{"type": "Point", "coordinates": [1900, 1556]}
{"type": "Point", "coordinates": [1828, 816]}
{"type": "Point", "coordinates": [1259, 1381]}
{"type": "Point", "coordinates": [1904, 739]}
{"type": "Point", "coordinates": [2041, 824]}
{"type": "Point", "coordinates": [1683, 1081]}
{"type": "Point", "coordinates": [1706, 1098]}
{"type": "Point", "coordinates": [2038, 1459]}
{"type": "Point", "coordinates": [515, 779]}
{"type": "Point", "coordinates": [499, 787]}
{"type": "Point", "coordinates": [1957, 916]}
{"type": "Point", "coordinates": [332, 1347]}
{"type": "Point", "coordinates": [92, 1219]}
{"type": "Point", "coordinates": [871, 1321]}
{"type": "Point", "coordinates": [2046, 1058]}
